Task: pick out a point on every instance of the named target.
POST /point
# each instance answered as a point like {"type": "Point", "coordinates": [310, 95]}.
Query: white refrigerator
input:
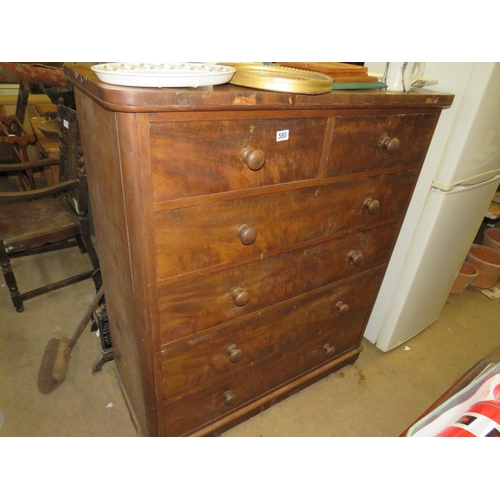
{"type": "Point", "coordinates": [458, 181]}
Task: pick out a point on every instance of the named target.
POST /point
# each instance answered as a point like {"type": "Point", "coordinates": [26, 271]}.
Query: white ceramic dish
{"type": "Point", "coordinates": [163, 74]}
{"type": "Point", "coordinates": [423, 81]}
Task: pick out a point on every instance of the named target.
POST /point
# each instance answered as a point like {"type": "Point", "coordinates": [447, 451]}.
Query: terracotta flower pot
{"type": "Point", "coordinates": [487, 261]}
{"type": "Point", "coordinates": [467, 274]}
{"type": "Point", "coordinates": [491, 238]}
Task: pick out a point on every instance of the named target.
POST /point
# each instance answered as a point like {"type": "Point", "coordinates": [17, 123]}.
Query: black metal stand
{"type": "Point", "coordinates": [100, 322]}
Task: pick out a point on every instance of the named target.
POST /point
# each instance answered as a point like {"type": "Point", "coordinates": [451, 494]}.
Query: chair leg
{"type": "Point", "coordinates": [92, 253]}
{"type": "Point", "coordinates": [10, 279]}
{"type": "Point", "coordinates": [87, 242]}
{"type": "Point", "coordinates": [81, 244]}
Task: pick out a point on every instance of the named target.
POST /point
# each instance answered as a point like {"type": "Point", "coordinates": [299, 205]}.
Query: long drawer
{"type": "Point", "coordinates": [194, 305]}
{"type": "Point", "coordinates": [208, 402]}
{"type": "Point", "coordinates": [202, 157]}
{"type": "Point", "coordinates": [330, 315]}
{"type": "Point", "coordinates": [371, 142]}
{"type": "Point", "coordinates": [202, 236]}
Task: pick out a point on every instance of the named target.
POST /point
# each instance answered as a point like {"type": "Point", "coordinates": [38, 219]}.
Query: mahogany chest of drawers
{"type": "Point", "coordinates": [243, 236]}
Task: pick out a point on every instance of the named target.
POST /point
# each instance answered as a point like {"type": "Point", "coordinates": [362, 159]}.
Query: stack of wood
{"type": "Point", "coordinates": [339, 72]}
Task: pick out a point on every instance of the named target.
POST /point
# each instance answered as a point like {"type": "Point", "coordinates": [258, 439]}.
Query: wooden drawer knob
{"type": "Point", "coordinates": [330, 350]}
{"type": "Point", "coordinates": [247, 234]}
{"type": "Point", "coordinates": [254, 158]}
{"type": "Point", "coordinates": [355, 257]}
{"type": "Point", "coordinates": [240, 297]}
{"type": "Point", "coordinates": [229, 397]}
{"type": "Point", "coordinates": [342, 308]}
{"type": "Point", "coordinates": [391, 145]}
{"type": "Point", "coordinates": [371, 206]}
{"type": "Point", "coordinates": [234, 353]}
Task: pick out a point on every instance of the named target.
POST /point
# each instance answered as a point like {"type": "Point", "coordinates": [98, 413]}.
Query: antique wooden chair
{"type": "Point", "coordinates": [48, 218]}
{"type": "Point", "coordinates": [15, 139]}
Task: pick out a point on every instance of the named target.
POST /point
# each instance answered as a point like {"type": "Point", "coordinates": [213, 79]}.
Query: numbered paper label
{"type": "Point", "coordinates": [282, 135]}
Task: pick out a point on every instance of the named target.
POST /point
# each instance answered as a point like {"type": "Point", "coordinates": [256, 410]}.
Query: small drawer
{"type": "Point", "coordinates": [196, 304]}
{"type": "Point", "coordinates": [203, 236]}
{"type": "Point", "coordinates": [214, 399]}
{"type": "Point", "coordinates": [333, 312]}
{"type": "Point", "coordinates": [365, 143]}
{"type": "Point", "coordinates": [203, 157]}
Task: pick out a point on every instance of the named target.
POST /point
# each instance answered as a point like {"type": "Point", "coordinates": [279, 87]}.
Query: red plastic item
{"type": "Point", "coordinates": [481, 420]}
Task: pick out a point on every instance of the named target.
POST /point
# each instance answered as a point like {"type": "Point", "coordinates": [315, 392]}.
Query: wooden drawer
{"type": "Point", "coordinates": [202, 236]}
{"type": "Point", "coordinates": [332, 312]}
{"type": "Point", "coordinates": [203, 157]}
{"type": "Point", "coordinates": [357, 142]}
{"type": "Point", "coordinates": [233, 391]}
{"type": "Point", "coordinates": [194, 305]}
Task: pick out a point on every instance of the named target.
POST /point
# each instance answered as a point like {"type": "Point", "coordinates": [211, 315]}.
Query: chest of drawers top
{"type": "Point", "coordinates": [223, 97]}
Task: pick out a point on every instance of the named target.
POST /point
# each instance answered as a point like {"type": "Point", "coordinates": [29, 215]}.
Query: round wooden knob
{"type": "Point", "coordinates": [254, 158]}
{"type": "Point", "coordinates": [240, 297]}
{"type": "Point", "coordinates": [234, 353]}
{"type": "Point", "coordinates": [355, 257]}
{"type": "Point", "coordinates": [330, 350]}
{"type": "Point", "coordinates": [342, 308]}
{"type": "Point", "coordinates": [247, 234]}
{"type": "Point", "coordinates": [391, 145]}
{"type": "Point", "coordinates": [371, 206]}
{"type": "Point", "coordinates": [229, 397]}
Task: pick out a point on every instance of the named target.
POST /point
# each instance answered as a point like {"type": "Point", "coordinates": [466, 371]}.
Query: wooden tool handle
{"type": "Point", "coordinates": [83, 323]}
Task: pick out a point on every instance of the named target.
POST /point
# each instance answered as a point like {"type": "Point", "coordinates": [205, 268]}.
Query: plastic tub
{"type": "Point", "coordinates": [487, 261]}
{"type": "Point", "coordinates": [491, 238]}
{"type": "Point", "coordinates": [467, 274]}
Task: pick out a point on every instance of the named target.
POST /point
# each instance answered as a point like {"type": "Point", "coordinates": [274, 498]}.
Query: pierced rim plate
{"type": "Point", "coordinates": [163, 74]}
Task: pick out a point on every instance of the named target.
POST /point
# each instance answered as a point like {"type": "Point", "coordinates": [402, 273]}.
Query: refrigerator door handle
{"type": "Point", "coordinates": [474, 180]}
